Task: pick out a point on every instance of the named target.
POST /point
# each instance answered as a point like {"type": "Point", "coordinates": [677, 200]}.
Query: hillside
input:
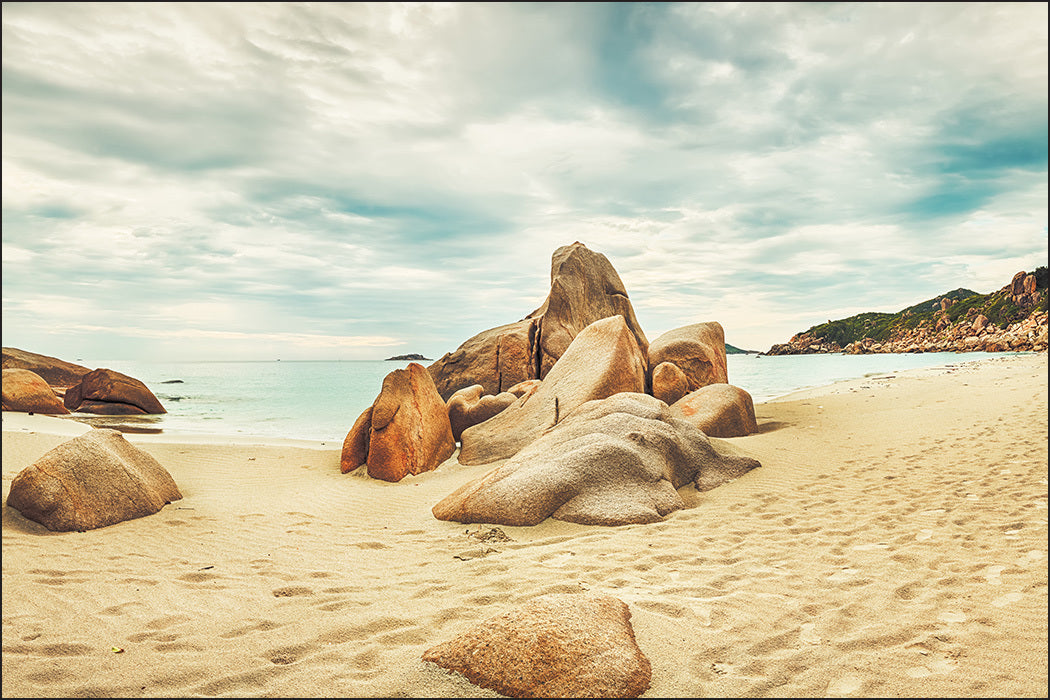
{"type": "Point", "coordinates": [1011, 318]}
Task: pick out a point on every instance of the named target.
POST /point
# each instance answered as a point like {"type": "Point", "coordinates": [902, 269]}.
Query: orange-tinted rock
{"type": "Point", "coordinates": [91, 481]}
{"type": "Point", "coordinates": [26, 391]}
{"type": "Point", "coordinates": [119, 392]}
{"type": "Point", "coordinates": [408, 431]}
{"type": "Point", "coordinates": [52, 370]}
{"type": "Point", "coordinates": [584, 289]}
{"type": "Point", "coordinates": [563, 645]}
{"type": "Point", "coordinates": [719, 410]}
{"type": "Point", "coordinates": [468, 407]}
{"type": "Point", "coordinates": [613, 461]}
{"type": "Point", "coordinates": [669, 383]}
{"type": "Point", "coordinates": [604, 359]}
{"type": "Point", "coordinates": [699, 350]}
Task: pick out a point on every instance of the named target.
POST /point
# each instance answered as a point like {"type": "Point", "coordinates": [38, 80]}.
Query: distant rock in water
{"type": "Point", "coordinates": [411, 356]}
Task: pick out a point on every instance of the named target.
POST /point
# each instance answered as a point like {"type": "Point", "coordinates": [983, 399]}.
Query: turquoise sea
{"type": "Point", "coordinates": [321, 400]}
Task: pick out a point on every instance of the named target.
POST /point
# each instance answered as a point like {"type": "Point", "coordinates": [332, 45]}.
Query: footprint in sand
{"type": "Point", "coordinates": [992, 575]}
{"type": "Point", "coordinates": [1004, 600]}
{"type": "Point", "coordinates": [846, 685]}
{"type": "Point", "coordinates": [923, 535]}
{"type": "Point", "coordinates": [952, 616]}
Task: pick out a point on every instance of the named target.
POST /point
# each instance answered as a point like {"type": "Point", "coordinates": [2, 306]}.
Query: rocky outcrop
{"type": "Point", "coordinates": [718, 410]}
{"type": "Point", "coordinates": [111, 393]}
{"type": "Point", "coordinates": [91, 481]}
{"type": "Point", "coordinates": [26, 391]}
{"type": "Point", "coordinates": [584, 289]}
{"type": "Point", "coordinates": [699, 350]}
{"type": "Point", "coordinates": [613, 461]}
{"type": "Point", "coordinates": [55, 372]}
{"type": "Point", "coordinates": [603, 359]}
{"type": "Point", "coordinates": [1014, 318]}
{"type": "Point", "coordinates": [405, 431]}
{"type": "Point", "coordinates": [564, 645]}
{"type": "Point", "coordinates": [468, 407]}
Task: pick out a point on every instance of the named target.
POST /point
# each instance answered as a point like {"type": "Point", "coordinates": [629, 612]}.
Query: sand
{"type": "Point", "coordinates": [894, 543]}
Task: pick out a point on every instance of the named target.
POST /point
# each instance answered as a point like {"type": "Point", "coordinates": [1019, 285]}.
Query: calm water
{"type": "Point", "coordinates": [321, 400]}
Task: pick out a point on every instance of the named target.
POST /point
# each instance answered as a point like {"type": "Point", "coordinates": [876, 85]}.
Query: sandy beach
{"type": "Point", "coordinates": [894, 543]}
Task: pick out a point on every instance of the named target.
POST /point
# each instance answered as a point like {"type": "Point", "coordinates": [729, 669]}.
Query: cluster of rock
{"type": "Point", "coordinates": [91, 481]}
{"type": "Point", "coordinates": [35, 383]}
{"type": "Point", "coordinates": [597, 425]}
{"type": "Point", "coordinates": [971, 332]}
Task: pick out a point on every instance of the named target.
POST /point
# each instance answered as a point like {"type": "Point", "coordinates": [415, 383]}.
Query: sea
{"type": "Point", "coordinates": [320, 400]}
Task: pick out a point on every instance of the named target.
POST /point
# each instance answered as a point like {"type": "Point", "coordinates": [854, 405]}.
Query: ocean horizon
{"type": "Point", "coordinates": [319, 400]}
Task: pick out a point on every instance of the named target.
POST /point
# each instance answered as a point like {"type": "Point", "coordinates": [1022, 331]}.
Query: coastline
{"type": "Point", "coordinates": [892, 543]}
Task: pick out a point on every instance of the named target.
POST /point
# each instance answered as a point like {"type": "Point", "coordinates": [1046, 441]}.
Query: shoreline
{"type": "Point", "coordinates": [894, 543]}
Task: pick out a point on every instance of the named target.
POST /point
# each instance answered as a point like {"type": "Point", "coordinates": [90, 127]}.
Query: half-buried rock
{"type": "Point", "coordinates": [604, 359]}
{"type": "Point", "coordinates": [107, 392]}
{"type": "Point", "coordinates": [27, 392]}
{"type": "Point", "coordinates": [91, 481]}
{"type": "Point", "coordinates": [613, 461]}
{"type": "Point", "coordinates": [565, 645]}
{"type": "Point", "coordinates": [406, 431]}
{"type": "Point", "coordinates": [719, 410]}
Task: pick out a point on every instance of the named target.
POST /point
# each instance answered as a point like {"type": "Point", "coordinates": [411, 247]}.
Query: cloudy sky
{"type": "Point", "coordinates": [354, 181]}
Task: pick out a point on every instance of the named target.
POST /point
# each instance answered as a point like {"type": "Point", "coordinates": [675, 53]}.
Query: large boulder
{"type": "Point", "coordinates": [584, 289]}
{"type": "Point", "coordinates": [614, 461]}
{"type": "Point", "coordinates": [26, 391]}
{"type": "Point", "coordinates": [668, 382]}
{"type": "Point", "coordinates": [405, 431]}
{"type": "Point", "coordinates": [54, 371]}
{"type": "Point", "coordinates": [604, 359]}
{"type": "Point", "coordinates": [719, 410]}
{"type": "Point", "coordinates": [112, 393]}
{"type": "Point", "coordinates": [469, 407]}
{"type": "Point", "coordinates": [562, 645]}
{"type": "Point", "coordinates": [91, 481]}
{"type": "Point", "coordinates": [699, 350]}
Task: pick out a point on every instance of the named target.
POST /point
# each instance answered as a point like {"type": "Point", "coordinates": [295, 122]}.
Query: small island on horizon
{"type": "Point", "coordinates": [410, 356]}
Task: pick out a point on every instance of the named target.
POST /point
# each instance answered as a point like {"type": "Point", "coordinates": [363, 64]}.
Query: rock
{"type": "Point", "coordinates": [613, 461]}
{"type": "Point", "coordinates": [584, 289]}
{"type": "Point", "coordinates": [27, 392]}
{"type": "Point", "coordinates": [562, 645]}
{"type": "Point", "coordinates": [669, 383]}
{"type": "Point", "coordinates": [53, 371]}
{"type": "Point", "coordinates": [525, 388]}
{"type": "Point", "coordinates": [468, 407]}
{"type": "Point", "coordinates": [979, 323]}
{"type": "Point", "coordinates": [604, 359]}
{"type": "Point", "coordinates": [718, 410]}
{"type": "Point", "coordinates": [699, 350]}
{"type": "Point", "coordinates": [406, 430]}
{"type": "Point", "coordinates": [120, 393]}
{"type": "Point", "coordinates": [410, 356]}
{"type": "Point", "coordinates": [91, 481]}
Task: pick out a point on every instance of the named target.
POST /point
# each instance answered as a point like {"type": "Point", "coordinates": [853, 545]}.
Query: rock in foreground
{"type": "Point", "coordinates": [614, 461]}
{"type": "Point", "coordinates": [91, 481]}
{"type": "Point", "coordinates": [719, 410]}
{"type": "Point", "coordinates": [562, 645]}
{"type": "Point", "coordinates": [406, 431]}
{"type": "Point", "coordinates": [699, 350]}
{"type": "Point", "coordinates": [26, 391]}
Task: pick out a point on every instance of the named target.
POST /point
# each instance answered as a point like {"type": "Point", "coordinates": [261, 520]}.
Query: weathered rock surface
{"type": "Point", "coordinates": [699, 350]}
{"type": "Point", "coordinates": [52, 370]}
{"type": "Point", "coordinates": [604, 359]}
{"type": "Point", "coordinates": [27, 391]}
{"type": "Point", "coordinates": [405, 431]}
{"type": "Point", "coordinates": [91, 481]}
{"type": "Point", "coordinates": [718, 410]}
{"type": "Point", "coordinates": [118, 393]}
{"type": "Point", "coordinates": [669, 383]}
{"type": "Point", "coordinates": [563, 645]}
{"type": "Point", "coordinates": [584, 289]}
{"type": "Point", "coordinates": [468, 407]}
{"type": "Point", "coordinates": [612, 461]}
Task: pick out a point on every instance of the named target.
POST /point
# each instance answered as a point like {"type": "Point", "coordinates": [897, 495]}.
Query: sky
{"type": "Point", "coordinates": [352, 181]}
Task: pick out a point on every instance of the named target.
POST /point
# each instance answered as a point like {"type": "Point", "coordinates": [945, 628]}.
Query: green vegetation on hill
{"type": "Point", "coordinates": [730, 350]}
{"type": "Point", "coordinates": [998, 307]}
